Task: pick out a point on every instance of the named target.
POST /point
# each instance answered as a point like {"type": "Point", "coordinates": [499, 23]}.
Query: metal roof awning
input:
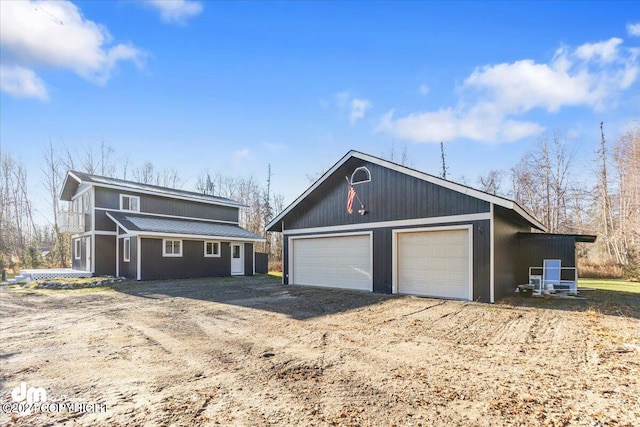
{"type": "Point", "coordinates": [582, 238]}
{"type": "Point", "coordinates": [149, 225]}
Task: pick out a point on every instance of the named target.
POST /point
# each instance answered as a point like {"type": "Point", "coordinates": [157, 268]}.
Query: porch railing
{"type": "Point", "coordinates": [70, 222]}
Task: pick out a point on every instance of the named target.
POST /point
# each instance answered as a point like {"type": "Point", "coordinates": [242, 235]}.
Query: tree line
{"type": "Point", "coordinates": [547, 181]}
{"type": "Point", "coordinates": [24, 243]}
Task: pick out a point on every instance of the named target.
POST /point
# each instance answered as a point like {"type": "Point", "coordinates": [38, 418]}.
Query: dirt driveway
{"type": "Point", "coordinates": [252, 352]}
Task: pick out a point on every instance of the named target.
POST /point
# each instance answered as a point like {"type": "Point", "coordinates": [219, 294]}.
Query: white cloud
{"type": "Point", "coordinates": [633, 29]}
{"type": "Point", "coordinates": [447, 124]}
{"type": "Point", "coordinates": [176, 11]}
{"type": "Point", "coordinates": [493, 96]}
{"type": "Point", "coordinates": [423, 90]}
{"type": "Point", "coordinates": [346, 101]}
{"type": "Point", "coordinates": [54, 34]}
{"type": "Point", "coordinates": [358, 107]}
{"type": "Point", "coordinates": [21, 82]}
{"type": "Point", "coordinates": [605, 51]}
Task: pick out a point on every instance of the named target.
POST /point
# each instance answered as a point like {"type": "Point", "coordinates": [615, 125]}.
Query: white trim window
{"type": "Point", "coordinates": [77, 245]}
{"type": "Point", "coordinates": [126, 249]}
{"type": "Point", "coordinates": [171, 248]}
{"type": "Point", "coordinates": [129, 203]}
{"type": "Point", "coordinates": [211, 249]}
{"type": "Point", "coordinates": [86, 199]}
{"type": "Point", "coordinates": [360, 175]}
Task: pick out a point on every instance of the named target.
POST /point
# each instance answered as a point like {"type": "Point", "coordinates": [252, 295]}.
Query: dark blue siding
{"type": "Point", "coordinates": [191, 264]}
{"type": "Point", "coordinates": [389, 196]}
{"type": "Point", "coordinates": [128, 269]}
{"type": "Point", "coordinates": [110, 199]}
{"type": "Point", "coordinates": [248, 259]}
{"type": "Point", "coordinates": [105, 255]}
{"type": "Point", "coordinates": [506, 248]}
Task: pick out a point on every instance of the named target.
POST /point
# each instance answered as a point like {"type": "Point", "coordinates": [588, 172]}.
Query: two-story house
{"type": "Point", "coordinates": [147, 232]}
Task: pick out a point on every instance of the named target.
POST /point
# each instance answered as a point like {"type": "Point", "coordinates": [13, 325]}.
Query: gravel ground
{"type": "Point", "coordinates": [252, 352]}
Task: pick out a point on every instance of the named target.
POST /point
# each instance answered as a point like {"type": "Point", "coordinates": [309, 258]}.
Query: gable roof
{"type": "Point", "coordinates": [156, 226]}
{"type": "Point", "coordinates": [74, 179]}
{"type": "Point", "coordinates": [464, 189]}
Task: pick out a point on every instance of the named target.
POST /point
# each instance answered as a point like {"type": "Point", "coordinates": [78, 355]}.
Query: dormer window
{"type": "Point", "coordinates": [129, 203]}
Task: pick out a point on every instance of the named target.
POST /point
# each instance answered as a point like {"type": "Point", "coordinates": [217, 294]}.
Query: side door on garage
{"type": "Point", "coordinates": [337, 261]}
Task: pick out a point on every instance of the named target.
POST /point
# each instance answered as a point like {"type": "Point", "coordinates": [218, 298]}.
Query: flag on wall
{"type": "Point", "coordinates": [350, 196]}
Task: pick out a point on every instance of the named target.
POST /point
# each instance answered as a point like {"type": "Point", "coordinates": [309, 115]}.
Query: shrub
{"type": "Point", "coordinates": [275, 266]}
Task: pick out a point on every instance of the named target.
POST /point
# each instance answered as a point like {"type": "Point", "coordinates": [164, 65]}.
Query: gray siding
{"type": "Point", "coordinates": [262, 263]}
{"type": "Point", "coordinates": [506, 251]}
{"type": "Point", "coordinates": [248, 259]}
{"type": "Point", "coordinates": [191, 264]}
{"type": "Point", "coordinates": [105, 255]}
{"type": "Point", "coordinates": [103, 222]}
{"type": "Point", "coordinates": [110, 199]}
{"type": "Point", "coordinates": [383, 258]}
{"type": "Point", "coordinates": [128, 269]}
{"type": "Point", "coordinates": [390, 195]}
{"type": "Point", "coordinates": [79, 264]}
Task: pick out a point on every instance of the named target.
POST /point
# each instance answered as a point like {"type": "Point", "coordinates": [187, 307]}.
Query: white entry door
{"type": "Point", "coordinates": [237, 258]}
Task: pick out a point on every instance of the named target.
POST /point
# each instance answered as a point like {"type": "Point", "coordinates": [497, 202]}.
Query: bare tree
{"type": "Point", "coordinates": [19, 231]}
{"type": "Point", "coordinates": [401, 157]}
{"type": "Point", "coordinates": [540, 182]}
{"type": "Point", "coordinates": [53, 176]}
{"type": "Point", "coordinates": [443, 174]}
{"type": "Point", "coordinates": [491, 182]}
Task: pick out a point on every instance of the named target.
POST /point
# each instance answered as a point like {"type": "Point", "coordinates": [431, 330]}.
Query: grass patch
{"type": "Point", "coordinates": [616, 285]}
{"type": "Point", "coordinates": [275, 273]}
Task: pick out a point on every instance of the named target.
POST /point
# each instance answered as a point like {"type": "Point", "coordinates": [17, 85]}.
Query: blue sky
{"type": "Point", "coordinates": [232, 86]}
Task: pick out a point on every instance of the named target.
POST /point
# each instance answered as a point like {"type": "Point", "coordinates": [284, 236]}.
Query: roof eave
{"type": "Point", "coordinates": [67, 197]}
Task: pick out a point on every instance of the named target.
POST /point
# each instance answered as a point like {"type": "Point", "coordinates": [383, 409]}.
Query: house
{"type": "Point", "coordinates": [408, 232]}
{"type": "Point", "coordinates": [147, 232]}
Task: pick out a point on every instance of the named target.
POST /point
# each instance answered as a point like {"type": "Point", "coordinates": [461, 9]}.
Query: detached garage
{"type": "Point", "coordinates": [373, 225]}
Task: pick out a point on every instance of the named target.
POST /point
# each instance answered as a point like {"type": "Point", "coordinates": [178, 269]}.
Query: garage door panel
{"type": "Point", "coordinates": [337, 261]}
{"type": "Point", "coordinates": [434, 263]}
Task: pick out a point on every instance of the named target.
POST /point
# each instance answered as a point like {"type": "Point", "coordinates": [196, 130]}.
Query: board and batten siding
{"type": "Point", "coordinates": [248, 259]}
{"type": "Point", "coordinates": [128, 269]}
{"type": "Point", "coordinates": [105, 262]}
{"type": "Point", "coordinates": [107, 198]}
{"type": "Point", "coordinates": [81, 263]}
{"type": "Point", "coordinates": [389, 196]}
{"type": "Point", "coordinates": [383, 256]}
{"type": "Point", "coordinates": [506, 251]}
{"type": "Point", "coordinates": [192, 263]}
{"type": "Point", "coordinates": [103, 222]}
{"type": "Point", "coordinates": [534, 249]}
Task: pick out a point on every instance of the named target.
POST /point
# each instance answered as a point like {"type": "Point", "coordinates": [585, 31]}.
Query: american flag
{"type": "Point", "coordinates": [350, 196]}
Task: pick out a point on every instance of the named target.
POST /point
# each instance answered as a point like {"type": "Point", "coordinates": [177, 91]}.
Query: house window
{"type": "Point", "coordinates": [129, 203]}
{"type": "Point", "coordinates": [126, 249]}
{"type": "Point", "coordinates": [86, 200]}
{"type": "Point", "coordinates": [76, 249]}
{"type": "Point", "coordinates": [171, 247]}
{"type": "Point", "coordinates": [360, 175]}
{"type": "Point", "coordinates": [211, 249]}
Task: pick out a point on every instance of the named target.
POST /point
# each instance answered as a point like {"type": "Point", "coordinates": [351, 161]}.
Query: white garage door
{"type": "Point", "coordinates": [338, 262]}
{"type": "Point", "coordinates": [434, 263]}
